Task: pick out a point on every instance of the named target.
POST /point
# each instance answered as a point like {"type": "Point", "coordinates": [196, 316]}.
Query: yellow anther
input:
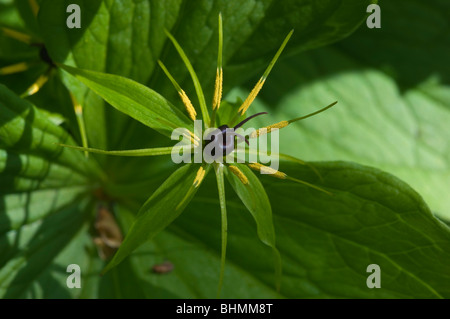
{"type": "Point", "coordinates": [184, 98]}
{"type": "Point", "coordinates": [268, 129]}
{"type": "Point", "coordinates": [251, 97]}
{"type": "Point", "coordinates": [218, 89]}
{"type": "Point", "coordinates": [188, 104]}
{"type": "Point", "coordinates": [34, 7]}
{"type": "Point", "coordinates": [36, 86]}
{"type": "Point", "coordinates": [77, 106]}
{"type": "Point", "coordinates": [194, 138]}
{"type": "Point", "coordinates": [236, 171]}
{"type": "Point", "coordinates": [267, 170]}
{"type": "Point", "coordinates": [15, 68]}
{"type": "Point", "coordinates": [199, 177]}
{"type": "Point", "coordinates": [19, 36]}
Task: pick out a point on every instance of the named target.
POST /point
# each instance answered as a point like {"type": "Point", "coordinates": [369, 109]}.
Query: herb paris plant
{"type": "Point", "coordinates": [150, 220]}
{"type": "Point", "coordinates": [49, 196]}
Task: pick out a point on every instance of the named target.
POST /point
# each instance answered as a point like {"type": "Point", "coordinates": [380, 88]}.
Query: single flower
{"type": "Point", "coordinates": [169, 200]}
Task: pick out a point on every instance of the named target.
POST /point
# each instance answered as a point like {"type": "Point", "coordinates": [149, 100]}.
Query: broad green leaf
{"type": "Point", "coordinates": [326, 242]}
{"type": "Point", "coordinates": [196, 263]}
{"type": "Point", "coordinates": [54, 98]}
{"type": "Point", "coordinates": [420, 33]}
{"type": "Point", "coordinates": [36, 233]}
{"type": "Point", "coordinates": [50, 281]}
{"type": "Point", "coordinates": [24, 129]}
{"type": "Point", "coordinates": [374, 123]}
{"type": "Point", "coordinates": [134, 99]}
{"type": "Point", "coordinates": [373, 218]}
{"type": "Point", "coordinates": [255, 199]}
{"type": "Point", "coordinates": [22, 172]}
{"type": "Point", "coordinates": [119, 37]}
{"type": "Point", "coordinates": [165, 204]}
{"type": "Point", "coordinates": [9, 15]}
{"type": "Point", "coordinates": [42, 197]}
{"type": "Point", "coordinates": [127, 38]}
{"type": "Point", "coordinates": [395, 118]}
{"type": "Point", "coordinates": [13, 51]}
{"type": "Point", "coordinates": [325, 250]}
{"type": "Point", "coordinates": [28, 11]}
{"type": "Point", "coordinates": [253, 31]}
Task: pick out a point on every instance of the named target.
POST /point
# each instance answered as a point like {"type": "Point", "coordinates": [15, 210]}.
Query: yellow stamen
{"type": "Point", "coordinates": [268, 129]}
{"type": "Point", "coordinates": [194, 138]}
{"type": "Point", "coordinates": [251, 97]}
{"type": "Point", "coordinates": [236, 171]}
{"type": "Point", "coordinates": [218, 89]}
{"type": "Point", "coordinates": [15, 68]}
{"type": "Point", "coordinates": [199, 177]}
{"type": "Point", "coordinates": [188, 104]}
{"type": "Point", "coordinates": [19, 36]}
{"type": "Point", "coordinates": [184, 98]}
{"type": "Point", "coordinates": [267, 170]}
{"type": "Point", "coordinates": [34, 7]}
{"type": "Point", "coordinates": [77, 106]}
{"type": "Point", "coordinates": [36, 86]}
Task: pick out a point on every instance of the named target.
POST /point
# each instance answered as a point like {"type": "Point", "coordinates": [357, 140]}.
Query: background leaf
{"type": "Point", "coordinates": [43, 201]}
{"type": "Point", "coordinates": [326, 242]}
{"type": "Point", "coordinates": [373, 218]}
{"type": "Point", "coordinates": [390, 117]}
{"type": "Point", "coordinates": [127, 38]}
{"type": "Point", "coordinates": [163, 206]}
{"type": "Point", "coordinates": [254, 197]}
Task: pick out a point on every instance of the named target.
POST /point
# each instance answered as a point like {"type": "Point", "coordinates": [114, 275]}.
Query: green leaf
{"type": "Point", "coordinates": [326, 242]}
{"type": "Point", "coordinates": [134, 99]}
{"type": "Point", "coordinates": [253, 32]}
{"type": "Point", "coordinates": [27, 11]}
{"type": "Point", "coordinates": [374, 123]}
{"type": "Point", "coordinates": [165, 204]}
{"type": "Point", "coordinates": [43, 200]}
{"type": "Point", "coordinates": [420, 33]}
{"type": "Point", "coordinates": [25, 130]}
{"type": "Point", "coordinates": [37, 233]}
{"type": "Point", "coordinates": [9, 15]}
{"type": "Point", "coordinates": [196, 262]}
{"type": "Point", "coordinates": [394, 118]}
{"type": "Point", "coordinates": [118, 37]}
{"type": "Point", "coordinates": [373, 218]}
{"type": "Point", "coordinates": [127, 38]}
{"type": "Point", "coordinates": [255, 199]}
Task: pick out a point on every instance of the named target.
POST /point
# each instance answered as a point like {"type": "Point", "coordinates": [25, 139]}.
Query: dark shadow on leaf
{"type": "Point", "coordinates": [122, 282]}
{"type": "Point", "coordinates": [55, 11]}
{"type": "Point", "coordinates": [52, 236]}
{"type": "Point", "coordinates": [412, 45]}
